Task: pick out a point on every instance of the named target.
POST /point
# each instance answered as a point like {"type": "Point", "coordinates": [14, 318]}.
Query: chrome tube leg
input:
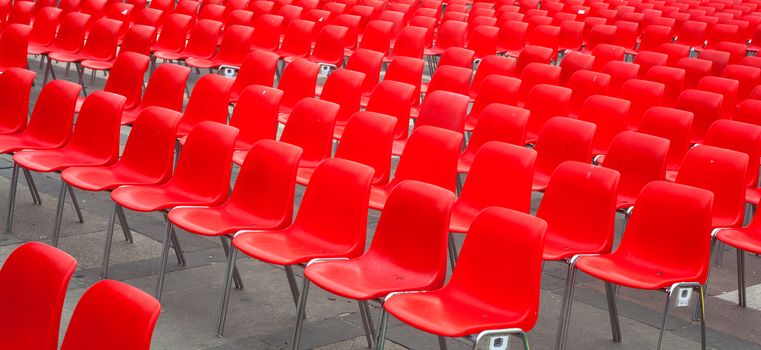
{"type": "Point", "coordinates": [76, 203]}
{"type": "Point", "coordinates": [109, 238]}
{"type": "Point", "coordinates": [369, 314]}
{"type": "Point", "coordinates": [458, 185]}
{"type": "Point", "coordinates": [452, 251]}
{"type": "Point", "coordinates": [226, 293]}
{"type": "Point", "coordinates": [741, 278]}
{"type": "Point", "coordinates": [565, 310]}
{"type": "Point", "coordinates": [66, 72]}
{"type": "Point", "coordinates": [442, 343]}
{"type": "Point", "coordinates": [177, 248]}
{"type": "Point", "coordinates": [164, 260]}
{"type": "Point", "coordinates": [524, 339]}
{"type": "Point", "coordinates": [719, 258]}
{"type": "Point", "coordinates": [380, 344]}
{"type": "Point", "coordinates": [300, 315]}
{"type": "Point", "coordinates": [11, 199]}
{"type": "Point", "coordinates": [701, 302]}
{"type": "Point", "coordinates": [365, 317]}
{"type": "Point", "coordinates": [292, 284]}
{"type": "Point", "coordinates": [32, 187]}
{"type": "Point", "coordinates": [59, 213]}
{"type": "Point", "coordinates": [236, 275]}
{"type": "Point", "coordinates": [613, 311]}
{"type": "Point", "coordinates": [665, 317]}
{"type": "Point", "coordinates": [123, 223]}
{"type": "Point", "coordinates": [48, 70]}
{"type": "Point", "coordinates": [42, 62]}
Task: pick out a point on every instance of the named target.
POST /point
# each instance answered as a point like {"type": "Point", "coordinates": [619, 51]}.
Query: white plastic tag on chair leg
{"type": "Point", "coordinates": [683, 299]}
{"type": "Point", "coordinates": [325, 70]}
{"type": "Point", "coordinates": [229, 72]}
{"type": "Point", "coordinates": [501, 342]}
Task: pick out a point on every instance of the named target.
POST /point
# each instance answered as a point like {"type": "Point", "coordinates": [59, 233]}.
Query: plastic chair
{"type": "Point", "coordinates": [449, 34]}
{"type": "Point", "coordinates": [430, 156]}
{"type": "Point", "coordinates": [126, 78]}
{"type": "Point", "coordinates": [654, 36]}
{"type": "Point", "coordinates": [610, 114]}
{"type": "Point", "coordinates": [672, 124]}
{"type": "Point", "coordinates": [377, 36]}
{"type": "Point", "coordinates": [329, 46]}
{"type": "Point", "coordinates": [620, 72]}
{"type": "Point", "coordinates": [94, 142]}
{"type": "Point", "coordinates": [33, 272]}
{"type": "Point", "coordinates": [496, 122]}
{"type": "Point", "coordinates": [201, 178]}
{"type": "Point", "coordinates": [45, 26]}
{"type": "Point", "coordinates": [579, 226]}
{"type": "Point", "coordinates": [458, 57]}
{"type": "Point", "coordinates": [201, 44]}
{"type": "Point", "coordinates": [114, 315]}
{"type": "Point", "coordinates": [22, 12]}
{"type": "Point", "coordinates": [122, 12]}
{"type": "Point", "coordinates": [258, 68]}
{"type": "Point", "coordinates": [255, 116]}
{"type": "Point", "coordinates": [675, 52]}
{"type": "Point", "coordinates": [239, 17]}
{"type": "Point", "coordinates": [408, 70]}
{"type": "Point", "coordinates": [672, 80]}
{"type": "Point", "coordinates": [368, 62]}
{"type": "Point", "coordinates": [572, 62]}
{"type": "Point", "coordinates": [463, 306]}
{"type": "Point", "coordinates": [584, 84]}
{"type": "Point", "coordinates": [740, 137]}
{"type": "Point", "coordinates": [442, 109]}
{"type": "Point", "coordinates": [100, 46]}
{"type": "Point", "coordinates": [643, 95]}
{"type": "Point", "coordinates": [156, 18]}
{"type": "Point", "coordinates": [166, 88]}
{"type": "Point", "coordinates": [649, 59]}
{"type": "Point", "coordinates": [720, 60]}
{"type": "Point", "coordinates": [208, 101]}
{"type": "Point", "coordinates": [344, 88]}
{"type": "Point", "coordinates": [512, 37]}
{"type": "Point", "coordinates": [298, 81]}
{"type": "Point", "coordinates": [489, 65]}
{"type": "Point", "coordinates": [748, 111]}
{"type": "Point", "coordinates": [268, 29]}
{"type": "Point", "coordinates": [173, 34]}
{"type": "Point", "coordinates": [726, 87]}
{"type": "Point", "coordinates": [391, 98]}
{"type": "Point", "coordinates": [449, 78]}
{"type": "Point", "coordinates": [605, 53]}
{"type": "Point", "coordinates": [14, 41]}
{"type": "Point", "coordinates": [318, 231]}
{"type": "Point", "coordinates": [532, 54]}
{"type": "Point", "coordinates": [537, 73]}
{"type": "Point", "coordinates": [544, 102]}
{"type": "Point", "coordinates": [297, 40]}
{"type": "Point", "coordinates": [640, 159]}
{"type": "Point", "coordinates": [706, 108]}
{"type": "Point", "coordinates": [695, 69]}
{"type": "Point", "coordinates": [693, 34]}
{"type": "Point", "coordinates": [494, 89]}
{"type": "Point", "coordinates": [139, 38]}
{"type": "Point", "coordinates": [311, 127]}
{"type": "Point", "coordinates": [561, 139]}
{"type": "Point", "coordinates": [235, 45]}
{"type": "Point", "coordinates": [747, 77]}
{"type": "Point", "coordinates": [679, 260]}
{"type": "Point", "coordinates": [14, 102]}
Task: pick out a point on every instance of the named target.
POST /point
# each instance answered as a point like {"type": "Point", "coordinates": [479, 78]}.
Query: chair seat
{"type": "Point", "coordinates": [54, 160]}
{"type": "Point", "coordinates": [379, 194]}
{"type": "Point", "coordinates": [753, 195]}
{"type": "Point", "coordinates": [303, 175]}
{"type": "Point", "coordinates": [10, 143]}
{"type": "Point", "coordinates": [62, 56]}
{"type": "Point", "coordinates": [201, 63]}
{"type": "Point", "coordinates": [105, 178]}
{"type": "Point", "coordinates": [398, 146]}
{"type": "Point", "coordinates": [170, 55]}
{"type": "Point", "coordinates": [223, 220]}
{"type": "Point", "coordinates": [746, 238]}
{"type": "Point", "coordinates": [453, 313]}
{"type": "Point", "coordinates": [239, 156]}
{"type": "Point", "coordinates": [287, 247]}
{"type": "Point", "coordinates": [462, 217]}
{"type": "Point", "coordinates": [367, 277]}
{"type": "Point", "coordinates": [157, 197]}
{"type": "Point", "coordinates": [541, 180]}
{"type": "Point", "coordinates": [625, 200]}
{"type": "Point", "coordinates": [129, 116]}
{"type": "Point", "coordinates": [631, 272]}
{"type": "Point", "coordinates": [465, 162]}
{"type": "Point", "coordinates": [98, 64]}
{"type": "Point", "coordinates": [38, 49]}
{"type": "Point", "coordinates": [557, 247]}
{"type": "Point", "coordinates": [282, 117]}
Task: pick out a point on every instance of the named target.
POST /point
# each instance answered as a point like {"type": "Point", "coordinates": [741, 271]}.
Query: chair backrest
{"type": "Point", "coordinates": [255, 115]}
{"type": "Point", "coordinates": [259, 68]}
{"type": "Point", "coordinates": [430, 156]}
{"type": "Point", "coordinates": [156, 18]}
{"type": "Point", "coordinates": [102, 39]}
{"type": "Point", "coordinates": [96, 132]}
{"type": "Point", "coordinates": [445, 110]}
{"type": "Point", "coordinates": [368, 62]}
{"type": "Point", "coordinates": [298, 38]}
{"type": "Point", "coordinates": [21, 13]}
{"type": "Point", "coordinates": [208, 101]}
{"type": "Point", "coordinates": [521, 237]}
{"type": "Point", "coordinates": [53, 114]}
{"type": "Point", "coordinates": [728, 88]}
{"type": "Point", "coordinates": [310, 127]}
{"type": "Point", "coordinates": [639, 158]}
{"type": "Point", "coordinates": [749, 111]}
{"type": "Point", "coordinates": [395, 99]}
{"type": "Point", "coordinates": [407, 70]}
{"type": "Point", "coordinates": [33, 283]}
{"type": "Point", "coordinates": [203, 167]}
{"type": "Point", "coordinates": [546, 101]}
{"type": "Point", "coordinates": [585, 83]}
{"type": "Point", "coordinates": [706, 108]}
{"type": "Point", "coordinates": [335, 204]}
{"type": "Point", "coordinates": [112, 315]}
{"type": "Point", "coordinates": [579, 206]}
{"type": "Point", "coordinates": [235, 45]}
{"type": "Point", "coordinates": [609, 114]}
{"type": "Point", "coordinates": [491, 65]}
{"type": "Point", "coordinates": [166, 87]}
{"type": "Point", "coordinates": [377, 36]}
{"type": "Point", "coordinates": [620, 72]}
{"type": "Point", "coordinates": [329, 45]}
{"type": "Point", "coordinates": [14, 41]}
{"type": "Point", "coordinates": [411, 42]}
{"type": "Point", "coordinates": [367, 139]}
{"type": "Point", "coordinates": [451, 34]}
{"type": "Point", "coordinates": [494, 89]}
{"type": "Point", "coordinates": [150, 147]}
{"type": "Point", "coordinates": [127, 76]}
{"type": "Point", "coordinates": [344, 88]}
{"type": "Point", "coordinates": [298, 81]}
{"type": "Point", "coordinates": [267, 33]}
{"type": "Point", "coordinates": [71, 32]}
{"type": "Point", "coordinates": [672, 124]}
{"type": "Point", "coordinates": [174, 33]}
{"type": "Point", "coordinates": [203, 39]}
{"type": "Point", "coordinates": [499, 122]}
{"type": "Point", "coordinates": [16, 84]}
{"type": "Point", "coordinates": [45, 26]}
{"type": "Point", "coordinates": [451, 78]}
{"type": "Point", "coordinates": [412, 231]}
{"type": "Point", "coordinates": [267, 181]}
{"type": "Point", "coordinates": [572, 62]}
{"type": "Point", "coordinates": [740, 137]}
{"type": "Point", "coordinates": [139, 39]}
{"type": "Point", "coordinates": [562, 139]}
{"type": "Point", "coordinates": [643, 95]}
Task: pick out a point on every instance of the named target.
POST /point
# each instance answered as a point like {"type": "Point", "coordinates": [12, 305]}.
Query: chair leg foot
{"type": "Point", "coordinates": [380, 343]}
{"type": "Point", "coordinates": [665, 318]}
{"type": "Point", "coordinates": [300, 315]}
{"type": "Point", "coordinates": [613, 312]}
{"type": "Point", "coordinates": [164, 260]}
{"type": "Point", "coordinates": [226, 293]}
{"type": "Point", "coordinates": [565, 310]}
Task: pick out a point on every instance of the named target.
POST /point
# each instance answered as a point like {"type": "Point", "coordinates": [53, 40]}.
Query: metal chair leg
{"type": "Point", "coordinates": [48, 70]}
{"type": "Point", "coordinates": [32, 187]}
{"type": "Point", "coordinates": [226, 293]}
{"type": "Point", "coordinates": [11, 199]}
{"type": "Point", "coordinates": [66, 72]}
{"type": "Point", "coordinates": [59, 213]}
{"type": "Point", "coordinates": [300, 315]}
{"type": "Point", "coordinates": [524, 340]}
{"type": "Point", "coordinates": [42, 62]}
{"type": "Point", "coordinates": [741, 300]}
{"type": "Point", "coordinates": [292, 284]}
{"type": "Point", "coordinates": [452, 251]}
{"type": "Point", "coordinates": [76, 203]}
{"type": "Point", "coordinates": [442, 343]}
{"type": "Point", "coordinates": [665, 317]}
{"type": "Point", "coordinates": [613, 312]}
{"type": "Point", "coordinates": [164, 260]}
{"type": "Point", "coordinates": [370, 324]}
{"type": "Point", "coordinates": [123, 223]}
{"type": "Point", "coordinates": [109, 239]}
{"type": "Point", "coordinates": [701, 302]}
{"type": "Point", "coordinates": [365, 326]}
{"type": "Point", "coordinates": [236, 275]}
{"type": "Point", "coordinates": [380, 343]}
{"type": "Point", "coordinates": [177, 248]}
{"type": "Point", "coordinates": [565, 310]}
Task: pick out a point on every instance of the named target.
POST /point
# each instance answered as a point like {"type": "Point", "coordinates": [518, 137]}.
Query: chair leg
{"type": "Point", "coordinates": [452, 251]}
{"type": "Point", "coordinates": [42, 62]}
{"type": "Point", "coordinates": [565, 310]}
{"type": "Point", "coordinates": [300, 315]}
{"type": "Point", "coordinates": [365, 326]}
{"type": "Point", "coordinates": [370, 324]}
{"type": "Point", "coordinates": [458, 184]}
{"type": "Point", "coordinates": [701, 302]}
{"type": "Point", "coordinates": [32, 187]}
{"type": "Point", "coordinates": [442, 343]}
{"type": "Point", "coordinates": [76, 203]}
{"type": "Point", "coordinates": [741, 300]}
{"type": "Point", "coordinates": [59, 213]}
{"type": "Point", "coordinates": [292, 284]}
{"type": "Point", "coordinates": [164, 260]}
{"type": "Point", "coordinates": [524, 340]}
{"type": "Point", "coordinates": [11, 199]}
{"type": "Point", "coordinates": [226, 293]}
{"type": "Point", "coordinates": [380, 343]}
{"type": "Point", "coordinates": [613, 312]}
{"type": "Point", "coordinates": [665, 317]}
{"type": "Point", "coordinates": [48, 70]}
{"type": "Point", "coordinates": [66, 72]}
{"type": "Point", "coordinates": [177, 248]}
{"type": "Point", "coordinates": [109, 238]}
{"type": "Point", "coordinates": [236, 275]}
{"type": "Point", "coordinates": [123, 223]}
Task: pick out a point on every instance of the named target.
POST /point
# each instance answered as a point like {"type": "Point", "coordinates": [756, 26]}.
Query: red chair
{"type": "Point", "coordinates": [311, 127]}
{"type": "Point", "coordinates": [407, 70]}
{"type": "Point", "coordinates": [561, 139]}
{"type": "Point", "coordinates": [740, 137]}
{"type": "Point", "coordinates": [748, 111]}
{"type": "Point", "coordinates": [126, 78]}
{"type": "Point", "coordinates": [378, 279]}
{"type": "Point", "coordinates": [544, 102]}
{"type": "Point", "coordinates": [297, 40]}
{"type": "Point", "coordinates": [449, 78]}
{"type": "Point", "coordinates": [22, 12]}
{"type": "Point", "coordinates": [201, 178]}
{"type": "Point", "coordinates": [320, 229]}
{"type": "Point", "coordinates": [537, 73]}
{"type": "Point", "coordinates": [605, 53]}
{"type": "Point", "coordinates": [463, 307]}
{"type": "Point", "coordinates": [458, 57]}
{"type": "Point", "coordinates": [208, 101]}
{"type": "Point", "coordinates": [255, 116]}
{"type": "Point", "coordinates": [654, 36]}
{"type": "Point", "coordinates": [678, 218]}
{"type": "Point", "coordinates": [726, 87]}
{"type": "Point", "coordinates": [377, 36]}
{"type": "Point", "coordinates": [489, 65]}
{"type": "Point", "coordinates": [100, 46]}
{"type": "Point", "coordinates": [720, 60]}
{"type": "Point", "coordinates": [156, 18]}
{"type": "Point", "coordinates": [449, 34]}
{"type": "Point", "coordinates": [166, 88]}
{"type": "Point", "coordinates": [268, 29]}
{"type": "Point", "coordinates": [14, 41]}
{"type": "Point", "coordinates": [571, 35]}
{"type": "Point", "coordinates": [430, 156]}
{"type": "Point", "coordinates": [45, 27]}
{"type": "Point", "coordinates": [258, 68]}
{"type": "Point", "coordinates": [212, 12]}
{"type": "Point", "coordinates": [610, 114]}
{"type": "Point", "coordinates": [368, 62]}
{"type": "Point", "coordinates": [748, 78]}
{"type": "Point", "coordinates": [693, 34]}
{"type": "Point", "coordinates": [34, 272]}
{"type": "Point", "coordinates": [201, 43]}
{"type": "Point", "coordinates": [391, 98]}
{"type": "Point", "coordinates": [675, 52]}
{"type": "Point", "coordinates": [14, 102]}
{"type": "Point", "coordinates": [640, 159]}
{"type": "Point", "coordinates": [584, 84]}
{"type": "Point", "coordinates": [238, 17]}
{"type": "Point", "coordinates": [695, 69]}
{"type": "Point", "coordinates": [643, 95]}
{"type": "Point", "coordinates": [442, 109]}
{"type": "Point", "coordinates": [572, 62]}
{"type": "Point", "coordinates": [649, 59]}
{"type": "Point", "coordinates": [122, 12]}
{"type": "Point", "coordinates": [410, 43]}
{"type": "Point", "coordinates": [672, 124]}
{"type": "Point", "coordinates": [344, 88]}
{"type": "Point", "coordinates": [672, 79]}
{"type": "Point", "coordinates": [235, 44]}
{"type": "Point", "coordinates": [706, 108]}
{"type": "Point", "coordinates": [173, 36]}
{"type": "Point", "coordinates": [532, 54]}
{"type": "Point", "coordinates": [494, 89]}
{"type": "Point", "coordinates": [139, 38]}
{"type": "Point", "coordinates": [496, 122]}
{"type": "Point", "coordinates": [114, 315]}
{"type": "Point", "coordinates": [512, 37]}
{"type": "Point", "coordinates": [620, 72]}
{"type": "Point", "coordinates": [579, 226]}
{"type": "Point", "coordinates": [329, 46]}
{"type": "Point", "coordinates": [298, 81]}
